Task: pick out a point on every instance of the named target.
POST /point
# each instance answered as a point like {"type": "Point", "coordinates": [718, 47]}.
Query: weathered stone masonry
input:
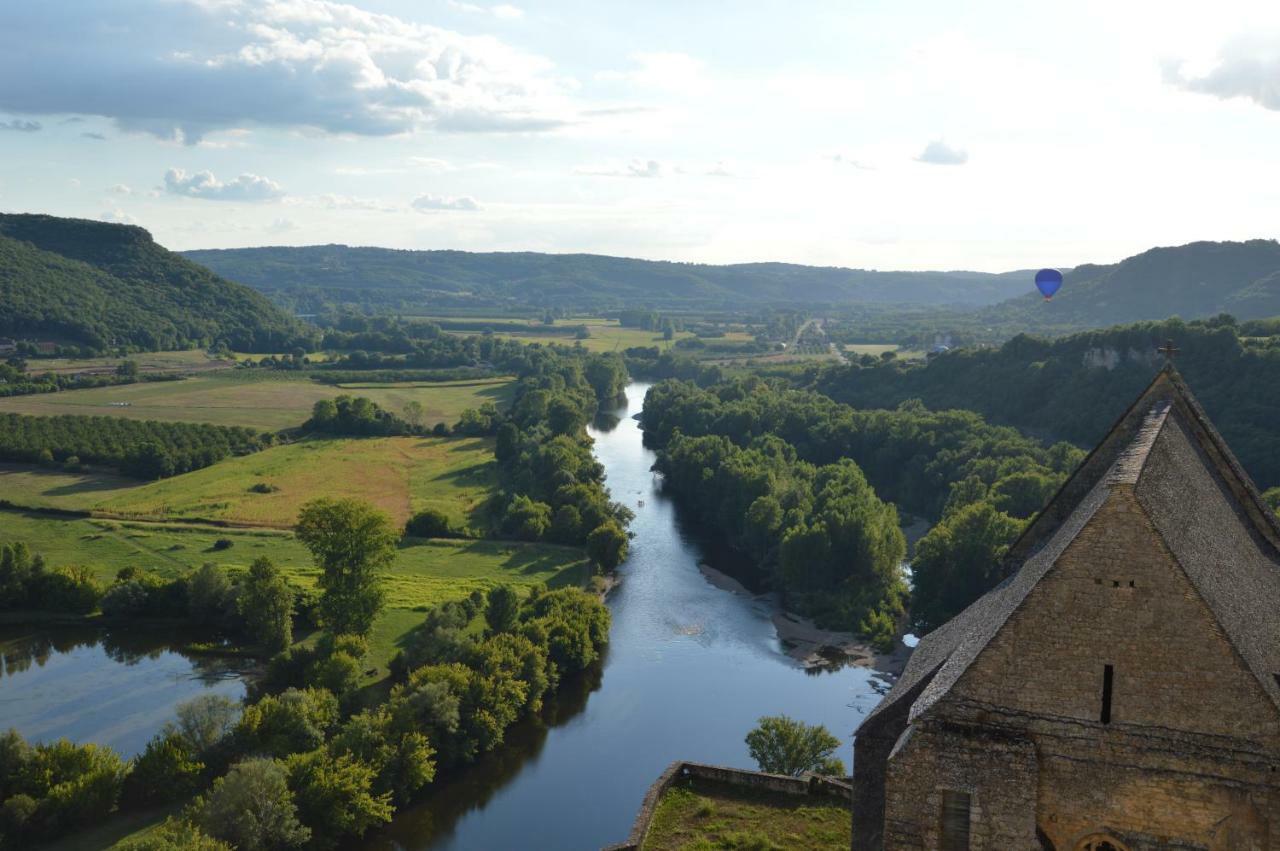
{"type": "Point", "coordinates": [1120, 689]}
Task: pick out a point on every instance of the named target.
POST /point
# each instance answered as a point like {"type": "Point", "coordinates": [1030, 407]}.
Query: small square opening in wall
{"type": "Point", "coordinates": [1131, 583]}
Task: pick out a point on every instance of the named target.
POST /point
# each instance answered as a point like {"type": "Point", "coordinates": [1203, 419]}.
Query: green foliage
{"type": "Point", "coordinates": [335, 796]}
{"type": "Point", "coordinates": [71, 588]}
{"type": "Point", "coordinates": [502, 609]}
{"type": "Point", "coordinates": [292, 722]}
{"type": "Point", "coordinates": [1272, 498]}
{"type": "Point", "coordinates": [351, 542]}
{"type": "Point", "coordinates": [205, 721]}
{"type": "Point", "coordinates": [356, 416]}
{"type": "Point", "coordinates": [166, 770]}
{"type": "Point", "coordinates": [56, 787]}
{"type": "Point", "coordinates": [144, 449]}
{"type": "Point", "coordinates": [265, 601]}
{"type": "Point", "coordinates": [173, 835]}
{"type": "Point", "coordinates": [825, 537]}
{"type": "Point", "coordinates": [403, 761]}
{"type": "Point", "coordinates": [1075, 387]}
{"type": "Point", "coordinates": [430, 523]}
{"type": "Point", "coordinates": [782, 745]}
{"type": "Point", "coordinates": [210, 596]}
{"type": "Point", "coordinates": [607, 545]}
{"type": "Point", "coordinates": [252, 808]}
{"type": "Point", "coordinates": [526, 519]}
{"type": "Point", "coordinates": [110, 285]}
{"type": "Point", "coordinates": [958, 561]}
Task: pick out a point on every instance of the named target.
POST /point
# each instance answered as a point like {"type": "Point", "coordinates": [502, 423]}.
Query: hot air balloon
{"type": "Point", "coordinates": [1048, 281]}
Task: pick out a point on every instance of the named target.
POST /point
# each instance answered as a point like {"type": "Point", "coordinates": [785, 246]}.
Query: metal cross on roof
{"type": "Point", "coordinates": [1169, 350]}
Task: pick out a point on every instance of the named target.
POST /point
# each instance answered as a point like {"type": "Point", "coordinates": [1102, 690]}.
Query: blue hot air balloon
{"type": "Point", "coordinates": [1048, 281]}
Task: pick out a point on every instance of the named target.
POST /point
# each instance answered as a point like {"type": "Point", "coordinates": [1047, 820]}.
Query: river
{"type": "Point", "coordinates": [689, 670]}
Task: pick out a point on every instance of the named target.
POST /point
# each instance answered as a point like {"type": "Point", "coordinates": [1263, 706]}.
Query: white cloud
{"type": "Point", "coordinates": [351, 202]}
{"type": "Point", "coordinates": [203, 184]}
{"type": "Point", "coordinates": [122, 189]}
{"type": "Point", "coordinates": [432, 203]}
{"type": "Point", "coordinates": [185, 68]}
{"type": "Point", "coordinates": [635, 168]}
{"type": "Point", "coordinates": [118, 216]}
{"type": "Point", "coordinates": [505, 11]}
{"type": "Point", "coordinates": [281, 226]}
{"type": "Point", "coordinates": [19, 125]}
{"type": "Point", "coordinates": [1245, 67]}
{"type": "Point", "coordinates": [97, 137]}
{"type": "Point", "coordinates": [938, 152]}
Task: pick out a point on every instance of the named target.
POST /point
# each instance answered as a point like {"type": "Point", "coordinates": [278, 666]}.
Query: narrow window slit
{"type": "Point", "coordinates": [1108, 674]}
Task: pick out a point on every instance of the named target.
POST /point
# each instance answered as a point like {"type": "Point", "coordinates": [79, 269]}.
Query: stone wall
{"type": "Point", "coordinates": [997, 769]}
{"type": "Point", "coordinates": [806, 785]}
{"type": "Point", "coordinates": [1189, 756]}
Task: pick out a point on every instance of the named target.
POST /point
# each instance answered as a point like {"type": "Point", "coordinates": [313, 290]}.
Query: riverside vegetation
{"type": "Point", "coordinates": [318, 754]}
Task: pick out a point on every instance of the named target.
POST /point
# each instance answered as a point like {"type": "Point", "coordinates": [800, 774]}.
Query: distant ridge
{"type": "Point", "coordinates": [99, 285]}
{"type": "Point", "coordinates": [1197, 280]}
{"type": "Point", "coordinates": [341, 273]}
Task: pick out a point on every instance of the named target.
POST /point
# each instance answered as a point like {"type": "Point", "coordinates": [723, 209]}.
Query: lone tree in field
{"type": "Point", "coordinates": [782, 745]}
{"type": "Point", "coordinates": [351, 541]}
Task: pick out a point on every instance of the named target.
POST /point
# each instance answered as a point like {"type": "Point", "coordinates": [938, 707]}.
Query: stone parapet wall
{"type": "Point", "coordinates": [805, 785]}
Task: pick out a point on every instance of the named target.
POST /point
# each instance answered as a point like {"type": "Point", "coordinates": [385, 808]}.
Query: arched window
{"type": "Point", "coordinates": [1100, 842]}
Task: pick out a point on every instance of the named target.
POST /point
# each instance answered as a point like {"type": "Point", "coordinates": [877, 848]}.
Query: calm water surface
{"type": "Point", "coordinates": [111, 687]}
{"type": "Point", "coordinates": [689, 669]}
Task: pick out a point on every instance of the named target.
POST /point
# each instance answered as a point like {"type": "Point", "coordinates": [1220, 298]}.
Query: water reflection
{"type": "Point", "coordinates": [690, 669]}
{"type": "Point", "coordinates": [114, 687]}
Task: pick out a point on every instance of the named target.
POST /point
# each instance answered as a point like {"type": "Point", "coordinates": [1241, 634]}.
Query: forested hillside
{"type": "Point", "coordinates": [1191, 281]}
{"type": "Point", "coordinates": [313, 276]}
{"type": "Point", "coordinates": [103, 285]}
{"type": "Point", "coordinates": [1073, 388]}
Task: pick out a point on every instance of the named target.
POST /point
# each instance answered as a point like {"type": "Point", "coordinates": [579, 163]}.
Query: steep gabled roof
{"type": "Point", "coordinates": [1204, 506]}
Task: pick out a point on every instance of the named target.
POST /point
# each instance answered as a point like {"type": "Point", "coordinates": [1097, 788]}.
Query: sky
{"type": "Point", "coordinates": [887, 135]}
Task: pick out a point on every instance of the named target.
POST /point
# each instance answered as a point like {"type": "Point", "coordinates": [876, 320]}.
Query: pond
{"type": "Point", "coordinates": [113, 687]}
{"type": "Point", "coordinates": [689, 670]}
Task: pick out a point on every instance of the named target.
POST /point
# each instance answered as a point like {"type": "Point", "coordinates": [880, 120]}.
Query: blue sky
{"type": "Point", "coordinates": [871, 134]}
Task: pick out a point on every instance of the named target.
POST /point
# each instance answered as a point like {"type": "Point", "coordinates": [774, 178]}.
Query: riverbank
{"type": "Point", "coordinates": [810, 645]}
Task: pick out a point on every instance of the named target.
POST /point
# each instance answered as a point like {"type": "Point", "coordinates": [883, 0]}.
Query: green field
{"type": "Point", "coordinates": [606, 334]}
{"type": "Point", "coordinates": [711, 815]}
{"type": "Point", "coordinates": [184, 360]}
{"type": "Point", "coordinates": [424, 572]}
{"type": "Point", "coordinates": [878, 349]}
{"type": "Point", "coordinates": [400, 475]}
{"type": "Point", "coordinates": [266, 400]}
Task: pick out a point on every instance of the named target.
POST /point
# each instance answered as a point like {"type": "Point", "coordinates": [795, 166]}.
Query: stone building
{"type": "Point", "coordinates": [1120, 689]}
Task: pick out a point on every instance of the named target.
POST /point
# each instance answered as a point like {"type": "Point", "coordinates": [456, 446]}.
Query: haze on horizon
{"type": "Point", "coordinates": [829, 133]}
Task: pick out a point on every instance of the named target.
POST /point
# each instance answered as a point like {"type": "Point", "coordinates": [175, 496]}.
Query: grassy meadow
{"type": "Point", "coordinates": [265, 400]}
{"type": "Point", "coordinates": [399, 475]}
{"type": "Point", "coordinates": [607, 335]}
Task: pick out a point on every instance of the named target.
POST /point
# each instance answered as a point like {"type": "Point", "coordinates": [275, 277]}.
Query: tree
{"type": "Point", "coordinates": [414, 412]}
{"type": "Point", "coordinates": [127, 369]}
{"type": "Point", "coordinates": [782, 745]}
{"type": "Point", "coordinates": [165, 770]}
{"type": "Point", "coordinates": [502, 609]}
{"type": "Point", "coordinates": [209, 594]}
{"type": "Point", "coordinates": [204, 721]}
{"type": "Point", "coordinates": [607, 545]}
{"type": "Point", "coordinates": [1024, 493]}
{"type": "Point", "coordinates": [526, 519]}
{"type": "Point", "coordinates": [430, 523]}
{"type": "Point", "coordinates": [1272, 498]}
{"type": "Point", "coordinates": [266, 604]}
{"type": "Point", "coordinates": [252, 808]}
{"type": "Point", "coordinates": [335, 796]}
{"type": "Point", "coordinates": [351, 542]}
{"type": "Point", "coordinates": [293, 721]}
{"type": "Point", "coordinates": [958, 561]}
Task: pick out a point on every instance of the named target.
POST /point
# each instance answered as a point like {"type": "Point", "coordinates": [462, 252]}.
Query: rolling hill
{"type": "Point", "coordinates": [307, 277]}
{"type": "Point", "coordinates": [1192, 281]}
{"type": "Point", "coordinates": [100, 285]}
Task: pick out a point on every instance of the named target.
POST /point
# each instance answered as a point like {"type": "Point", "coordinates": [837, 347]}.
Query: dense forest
{"type": "Point", "coordinates": [794, 480]}
{"type": "Point", "coordinates": [104, 286]}
{"type": "Point", "coordinates": [1074, 388]}
{"type": "Point", "coordinates": [313, 278]}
